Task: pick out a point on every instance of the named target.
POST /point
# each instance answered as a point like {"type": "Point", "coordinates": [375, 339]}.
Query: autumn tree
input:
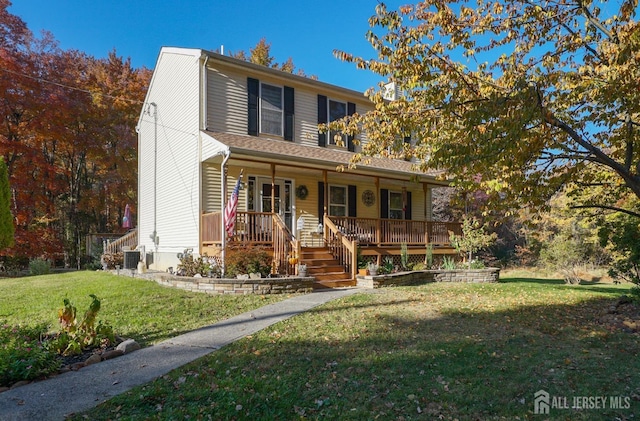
{"type": "Point", "coordinates": [261, 54]}
{"type": "Point", "coordinates": [68, 138]}
{"type": "Point", "coordinates": [531, 96]}
{"type": "Point", "coordinates": [6, 218]}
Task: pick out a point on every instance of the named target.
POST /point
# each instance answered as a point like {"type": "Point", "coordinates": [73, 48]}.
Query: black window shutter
{"type": "Point", "coordinates": [353, 200]}
{"type": "Point", "coordinates": [288, 113]}
{"type": "Point", "coordinates": [384, 203]}
{"type": "Point", "coordinates": [253, 87]}
{"type": "Point", "coordinates": [407, 210]}
{"type": "Point", "coordinates": [320, 202]}
{"type": "Point", "coordinates": [322, 118]}
{"type": "Point", "coordinates": [351, 110]}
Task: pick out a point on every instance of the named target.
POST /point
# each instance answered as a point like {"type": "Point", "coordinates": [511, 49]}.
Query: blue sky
{"type": "Point", "coordinates": [307, 31]}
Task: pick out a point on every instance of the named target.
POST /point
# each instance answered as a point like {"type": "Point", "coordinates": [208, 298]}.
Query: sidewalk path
{"type": "Point", "coordinates": [78, 391]}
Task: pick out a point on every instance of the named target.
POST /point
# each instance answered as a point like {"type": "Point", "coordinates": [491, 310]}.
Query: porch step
{"type": "Point", "coordinates": [326, 270]}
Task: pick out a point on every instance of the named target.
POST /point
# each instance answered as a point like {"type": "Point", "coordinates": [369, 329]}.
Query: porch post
{"type": "Point", "coordinates": [378, 221]}
{"type": "Point", "coordinates": [273, 188]}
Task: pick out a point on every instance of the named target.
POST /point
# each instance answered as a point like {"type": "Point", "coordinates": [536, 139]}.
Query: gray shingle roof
{"type": "Point", "coordinates": [316, 155]}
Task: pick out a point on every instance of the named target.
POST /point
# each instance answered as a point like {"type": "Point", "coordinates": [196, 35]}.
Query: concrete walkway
{"type": "Point", "coordinates": [78, 391]}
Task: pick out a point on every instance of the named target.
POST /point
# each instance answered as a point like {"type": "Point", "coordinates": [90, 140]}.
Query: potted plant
{"type": "Point", "coordinates": [302, 270]}
{"type": "Point", "coordinates": [372, 268]}
{"type": "Point", "coordinates": [362, 264]}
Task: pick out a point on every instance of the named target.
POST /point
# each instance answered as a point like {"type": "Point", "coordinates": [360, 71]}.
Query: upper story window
{"type": "Point", "coordinates": [271, 109]}
{"type": "Point", "coordinates": [331, 110]}
{"type": "Point", "coordinates": [337, 110]}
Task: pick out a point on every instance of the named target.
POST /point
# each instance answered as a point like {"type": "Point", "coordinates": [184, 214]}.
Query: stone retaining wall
{"type": "Point", "coordinates": [424, 276]}
{"type": "Point", "coordinates": [261, 286]}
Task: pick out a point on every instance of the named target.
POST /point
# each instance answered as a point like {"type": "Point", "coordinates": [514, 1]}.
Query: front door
{"type": "Point", "coordinates": [281, 203]}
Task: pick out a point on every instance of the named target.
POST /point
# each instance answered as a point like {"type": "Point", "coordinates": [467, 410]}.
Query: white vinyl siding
{"type": "Point", "coordinates": [211, 194]}
{"type": "Point", "coordinates": [175, 176]}
{"type": "Point", "coordinates": [306, 117]}
{"type": "Point", "coordinates": [226, 102]}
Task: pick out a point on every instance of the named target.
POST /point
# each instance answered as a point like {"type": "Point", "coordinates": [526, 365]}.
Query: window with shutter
{"type": "Point", "coordinates": [271, 110]}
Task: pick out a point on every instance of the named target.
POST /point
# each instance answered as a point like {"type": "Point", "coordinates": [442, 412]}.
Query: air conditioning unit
{"type": "Point", "coordinates": [131, 259]}
{"type": "Point", "coordinates": [391, 91]}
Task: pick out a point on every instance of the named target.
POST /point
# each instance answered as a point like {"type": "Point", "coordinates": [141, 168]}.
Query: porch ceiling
{"type": "Point", "coordinates": [279, 151]}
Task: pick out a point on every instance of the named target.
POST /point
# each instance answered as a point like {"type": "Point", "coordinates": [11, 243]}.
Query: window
{"type": "Point", "coordinates": [396, 208]}
{"type": "Point", "coordinates": [338, 200]}
{"type": "Point", "coordinates": [271, 109]}
{"type": "Point", "coordinates": [337, 110]}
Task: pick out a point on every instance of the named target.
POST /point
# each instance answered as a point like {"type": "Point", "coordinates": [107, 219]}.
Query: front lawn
{"type": "Point", "coordinates": [135, 308]}
{"type": "Point", "coordinates": [437, 351]}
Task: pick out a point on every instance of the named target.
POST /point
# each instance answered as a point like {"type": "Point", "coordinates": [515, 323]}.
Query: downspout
{"type": "Point", "coordinates": [223, 188]}
{"type": "Point", "coordinates": [154, 235]}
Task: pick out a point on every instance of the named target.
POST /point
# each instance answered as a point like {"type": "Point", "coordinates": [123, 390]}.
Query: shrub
{"type": "Point", "coordinates": [76, 335]}
{"type": "Point", "coordinates": [111, 260]}
{"type": "Point", "coordinates": [448, 263]}
{"type": "Point", "coordinates": [23, 355]}
{"type": "Point", "coordinates": [189, 266]}
{"type": "Point", "coordinates": [247, 260]}
{"type": "Point", "coordinates": [39, 267]}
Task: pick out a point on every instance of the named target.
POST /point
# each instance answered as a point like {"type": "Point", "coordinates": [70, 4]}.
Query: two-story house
{"type": "Point", "coordinates": [207, 118]}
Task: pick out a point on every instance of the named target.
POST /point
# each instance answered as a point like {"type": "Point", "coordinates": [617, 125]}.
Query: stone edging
{"type": "Point", "coordinates": [260, 286]}
{"type": "Point", "coordinates": [424, 276]}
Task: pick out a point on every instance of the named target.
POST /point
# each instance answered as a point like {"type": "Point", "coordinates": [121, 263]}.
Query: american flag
{"type": "Point", "coordinates": [231, 208]}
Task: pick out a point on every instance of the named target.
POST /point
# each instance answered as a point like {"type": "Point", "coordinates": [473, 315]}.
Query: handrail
{"type": "Point", "coordinates": [284, 246]}
{"type": "Point", "coordinates": [342, 248]}
{"type": "Point", "coordinates": [130, 239]}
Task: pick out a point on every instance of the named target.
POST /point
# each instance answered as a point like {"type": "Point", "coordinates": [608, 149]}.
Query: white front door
{"type": "Point", "coordinates": [282, 198]}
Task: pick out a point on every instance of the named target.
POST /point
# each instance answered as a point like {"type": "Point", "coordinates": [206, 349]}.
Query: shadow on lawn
{"type": "Point", "coordinates": [391, 359]}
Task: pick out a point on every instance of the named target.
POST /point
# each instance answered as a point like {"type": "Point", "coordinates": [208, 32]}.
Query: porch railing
{"type": "Point", "coordinates": [284, 246]}
{"type": "Point", "coordinates": [343, 248]}
{"type": "Point", "coordinates": [130, 240]}
{"type": "Point", "coordinates": [372, 231]}
{"type": "Point", "coordinates": [257, 228]}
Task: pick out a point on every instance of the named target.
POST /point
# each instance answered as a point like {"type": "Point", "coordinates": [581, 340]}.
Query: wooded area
{"type": "Point", "coordinates": [68, 139]}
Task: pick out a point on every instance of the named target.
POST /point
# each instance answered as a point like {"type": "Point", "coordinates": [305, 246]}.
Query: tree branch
{"type": "Point", "coordinates": [613, 208]}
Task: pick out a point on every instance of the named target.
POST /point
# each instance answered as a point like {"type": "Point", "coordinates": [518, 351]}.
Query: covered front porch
{"type": "Point", "coordinates": [344, 237]}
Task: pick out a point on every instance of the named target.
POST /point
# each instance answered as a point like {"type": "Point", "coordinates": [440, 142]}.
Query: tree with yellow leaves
{"type": "Point", "coordinates": [518, 99]}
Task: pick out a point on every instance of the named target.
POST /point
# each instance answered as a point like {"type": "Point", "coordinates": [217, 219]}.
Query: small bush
{"type": "Point", "coordinates": [247, 260]}
{"type": "Point", "coordinates": [111, 260]}
{"type": "Point", "coordinates": [39, 267]}
{"type": "Point", "coordinates": [23, 355]}
{"type": "Point", "coordinates": [189, 266]}
{"type": "Point", "coordinates": [448, 263]}
{"type": "Point", "coordinates": [76, 335]}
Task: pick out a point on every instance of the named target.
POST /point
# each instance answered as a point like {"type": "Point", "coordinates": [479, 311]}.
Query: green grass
{"type": "Point", "coordinates": [136, 308]}
{"type": "Point", "coordinates": [438, 351]}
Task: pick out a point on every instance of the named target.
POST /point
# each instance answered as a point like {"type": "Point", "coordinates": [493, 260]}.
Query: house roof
{"type": "Point", "coordinates": [283, 151]}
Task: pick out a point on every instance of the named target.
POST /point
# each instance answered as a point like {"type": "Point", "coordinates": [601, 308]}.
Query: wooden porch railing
{"type": "Point", "coordinates": [343, 249]}
{"type": "Point", "coordinates": [284, 246]}
{"type": "Point", "coordinates": [256, 228]}
{"type": "Point", "coordinates": [130, 240]}
{"type": "Point", "coordinates": [372, 231]}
